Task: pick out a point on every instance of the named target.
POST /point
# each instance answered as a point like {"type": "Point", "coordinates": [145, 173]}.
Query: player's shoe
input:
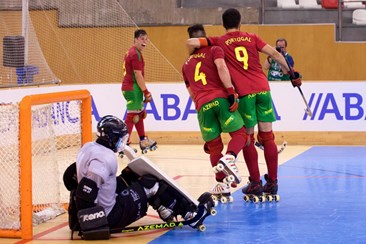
{"type": "Point", "coordinates": [207, 202]}
{"type": "Point", "coordinates": [253, 191]}
{"type": "Point", "coordinates": [227, 165]}
{"type": "Point", "coordinates": [221, 193]}
{"type": "Point", "coordinates": [270, 189]}
{"type": "Point", "coordinates": [148, 144]}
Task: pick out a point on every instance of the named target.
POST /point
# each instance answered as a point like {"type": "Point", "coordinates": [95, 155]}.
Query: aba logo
{"type": "Point", "coordinates": [348, 106]}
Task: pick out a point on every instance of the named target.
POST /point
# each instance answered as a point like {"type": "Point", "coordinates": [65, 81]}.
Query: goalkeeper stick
{"type": "Point", "coordinates": [307, 110]}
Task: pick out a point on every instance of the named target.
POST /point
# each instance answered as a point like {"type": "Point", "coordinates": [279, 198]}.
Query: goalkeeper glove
{"type": "Point", "coordinates": [295, 78]}
{"type": "Point", "coordinates": [233, 99]}
{"type": "Point", "coordinates": [147, 95]}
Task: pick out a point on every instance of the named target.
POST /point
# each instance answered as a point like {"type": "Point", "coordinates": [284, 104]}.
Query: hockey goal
{"type": "Point", "coordinates": [40, 137]}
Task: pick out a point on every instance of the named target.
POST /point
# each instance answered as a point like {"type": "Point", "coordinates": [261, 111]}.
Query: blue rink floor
{"type": "Point", "coordinates": [323, 200]}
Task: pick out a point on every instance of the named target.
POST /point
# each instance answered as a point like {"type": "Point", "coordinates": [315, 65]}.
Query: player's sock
{"type": "Point", "coordinates": [140, 128]}
{"type": "Point", "coordinates": [237, 142]}
{"type": "Point", "coordinates": [129, 123]}
{"type": "Point", "coordinates": [251, 158]}
{"type": "Point", "coordinates": [270, 153]}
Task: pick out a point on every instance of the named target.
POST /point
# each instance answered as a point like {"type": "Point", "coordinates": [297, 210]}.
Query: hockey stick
{"type": "Point", "coordinates": [307, 110]}
{"type": "Point", "coordinates": [282, 148]}
{"type": "Point", "coordinates": [197, 220]}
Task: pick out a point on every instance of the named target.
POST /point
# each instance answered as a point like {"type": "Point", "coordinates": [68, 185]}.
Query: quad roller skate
{"type": "Point", "coordinates": [192, 217]}
{"type": "Point", "coordinates": [221, 193]}
{"type": "Point", "coordinates": [205, 208]}
{"type": "Point", "coordinates": [227, 165]}
{"type": "Point", "coordinates": [121, 154]}
{"type": "Point", "coordinates": [148, 144]}
{"type": "Point", "coordinates": [270, 189]}
{"type": "Point", "coordinates": [253, 191]}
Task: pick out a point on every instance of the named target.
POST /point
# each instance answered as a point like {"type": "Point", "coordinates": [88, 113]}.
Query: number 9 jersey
{"type": "Point", "coordinates": [242, 58]}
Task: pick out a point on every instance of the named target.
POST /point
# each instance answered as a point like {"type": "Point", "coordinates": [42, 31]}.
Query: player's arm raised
{"type": "Point", "coordinates": [194, 43]}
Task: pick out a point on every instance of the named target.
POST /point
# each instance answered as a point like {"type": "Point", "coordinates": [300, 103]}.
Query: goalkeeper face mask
{"type": "Point", "coordinates": [121, 143]}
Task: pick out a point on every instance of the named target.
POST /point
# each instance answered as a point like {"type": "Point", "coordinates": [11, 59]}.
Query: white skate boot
{"type": "Point", "coordinates": [221, 192]}
{"type": "Point", "coordinates": [148, 144]}
{"type": "Point", "coordinates": [227, 165]}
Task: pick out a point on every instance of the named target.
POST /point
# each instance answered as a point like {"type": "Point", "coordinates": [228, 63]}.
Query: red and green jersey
{"type": "Point", "coordinates": [200, 74]}
{"type": "Point", "coordinates": [242, 58]}
{"type": "Point", "coordinates": [133, 60]}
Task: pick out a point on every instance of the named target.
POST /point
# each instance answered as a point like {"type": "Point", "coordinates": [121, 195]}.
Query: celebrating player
{"type": "Point", "coordinates": [208, 82]}
{"type": "Point", "coordinates": [104, 201]}
{"type": "Point", "coordinates": [255, 106]}
{"type": "Point", "coordinates": [134, 90]}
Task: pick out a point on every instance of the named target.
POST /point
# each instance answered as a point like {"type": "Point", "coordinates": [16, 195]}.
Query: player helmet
{"type": "Point", "coordinates": [113, 132]}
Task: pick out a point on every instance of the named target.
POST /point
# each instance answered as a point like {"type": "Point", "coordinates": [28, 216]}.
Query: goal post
{"type": "Point", "coordinates": [35, 146]}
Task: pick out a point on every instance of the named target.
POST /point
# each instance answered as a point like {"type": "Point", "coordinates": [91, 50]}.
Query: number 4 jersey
{"type": "Point", "coordinates": [242, 58]}
{"type": "Point", "coordinates": [201, 76]}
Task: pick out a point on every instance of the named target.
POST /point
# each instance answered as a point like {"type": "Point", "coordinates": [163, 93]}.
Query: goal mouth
{"type": "Point", "coordinates": [42, 135]}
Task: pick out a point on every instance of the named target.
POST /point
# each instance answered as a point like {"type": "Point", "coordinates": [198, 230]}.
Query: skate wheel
{"type": "Point", "coordinates": [246, 198]}
{"type": "Point", "coordinates": [277, 198]}
{"type": "Point", "coordinates": [201, 228]}
{"type": "Point", "coordinates": [144, 151]}
{"type": "Point", "coordinates": [223, 200]}
{"type": "Point", "coordinates": [255, 199]}
{"type": "Point", "coordinates": [153, 148]}
{"type": "Point", "coordinates": [269, 198]}
{"type": "Point", "coordinates": [231, 199]}
{"type": "Point", "coordinates": [214, 198]}
{"type": "Point", "coordinates": [213, 212]}
{"type": "Point", "coordinates": [226, 180]}
{"type": "Point", "coordinates": [220, 167]}
{"type": "Point", "coordinates": [231, 178]}
{"type": "Point", "coordinates": [215, 170]}
{"type": "Point", "coordinates": [262, 199]}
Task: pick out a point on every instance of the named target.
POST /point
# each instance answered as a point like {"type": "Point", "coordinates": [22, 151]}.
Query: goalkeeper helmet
{"type": "Point", "coordinates": [113, 132]}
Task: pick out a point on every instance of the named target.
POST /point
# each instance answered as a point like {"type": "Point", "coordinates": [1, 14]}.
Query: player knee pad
{"type": "Point", "coordinates": [215, 146]}
{"type": "Point", "coordinates": [263, 137]}
{"type": "Point", "coordinates": [86, 193]}
{"type": "Point", "coordinates": [125, 179]}
{"type": "Point", "coordinates": [93, 223]}
{"type": "Point", "coordinates": [134, 117]}
{"type": "Point", "coordinates": [148, 181]}
{"type": "Point", "coordinates": [243, 134]}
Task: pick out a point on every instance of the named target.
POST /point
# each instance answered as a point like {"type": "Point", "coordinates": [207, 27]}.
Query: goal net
{"type": "Point", "coordinates": [85, 41]}
{"type": "Point", "coordinates": [23, 62]}
{"type": "Point", "coordinates": [40, 138]}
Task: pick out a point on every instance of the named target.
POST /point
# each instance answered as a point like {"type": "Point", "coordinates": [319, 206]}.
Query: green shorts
{"type": "Point", "coordinates": [134, 98]}
{"type": "Point", "coordinates": [256, 107]}
{"type": "Point", "coordinates": [214, 117]}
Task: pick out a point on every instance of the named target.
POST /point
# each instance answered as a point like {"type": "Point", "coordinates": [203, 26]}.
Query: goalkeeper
{"type": "Point", "coordinates": [102, 202]}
